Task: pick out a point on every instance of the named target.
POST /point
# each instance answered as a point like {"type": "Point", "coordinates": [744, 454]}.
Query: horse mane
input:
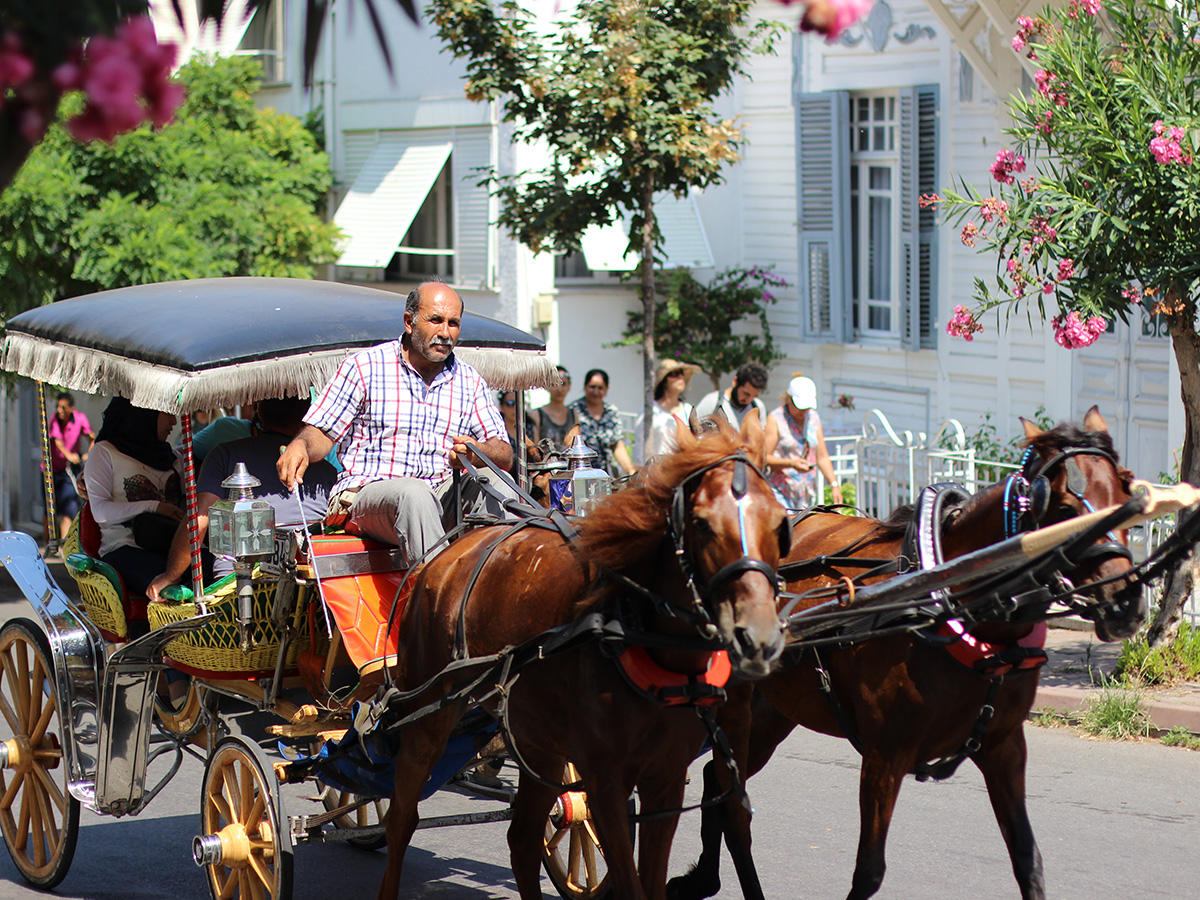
{"type": "Point", "coordinates": [624, 532]}
{"type": "Point", "coordinates": [895, 526]}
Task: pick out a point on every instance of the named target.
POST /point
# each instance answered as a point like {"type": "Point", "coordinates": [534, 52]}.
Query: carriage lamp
{"type": "Point", "coordinates": [242, 529]}
{"type": "Point", "coordinates": [577, 490]}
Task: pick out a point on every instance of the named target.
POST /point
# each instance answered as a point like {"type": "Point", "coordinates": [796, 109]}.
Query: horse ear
{"type": "Point", "coordinates": [752, 435]}
{"type": "Point", "coordinates": [684, 439]}
{"type": "Point", "coordinates": [1093, 421]}
{"type": "Point", "coordinates": [1031, 428]}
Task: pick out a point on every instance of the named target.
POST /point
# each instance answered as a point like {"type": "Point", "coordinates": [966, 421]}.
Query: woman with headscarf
{"type": "Point", "coordinates": [132, 470]}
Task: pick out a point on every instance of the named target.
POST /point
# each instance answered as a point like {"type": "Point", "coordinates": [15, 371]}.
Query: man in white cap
{"type": "Point", "coordinates": [795, 447]}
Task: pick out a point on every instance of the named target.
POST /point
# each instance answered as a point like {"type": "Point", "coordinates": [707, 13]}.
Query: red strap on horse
{"type": "Point", "coordinates": [676, 688]}
{"type": "Point", "coordinates": [995, 660]}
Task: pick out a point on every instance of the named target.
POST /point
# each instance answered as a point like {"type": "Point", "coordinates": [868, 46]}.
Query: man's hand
{"type": "Point", "coordinates": [170, 510]}
{"type": "Point", "coordinates": [293, 463]}
{"type": "Point", "coordinates": [154, 592]}
{"type": "Point", "coordinates": [467, 447]}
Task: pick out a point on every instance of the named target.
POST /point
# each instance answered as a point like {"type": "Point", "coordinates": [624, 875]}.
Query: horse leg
{"type": "Point", "coordinates": [527, 830]}
{"type": "Point", "coordinates": [421, 746]}
{"type": "Point", "coordinates": [660, 793]}
{"type": "Point", "coordinates": [878, 787]}
{"type": "Point", "coordinates": [1002, 763]}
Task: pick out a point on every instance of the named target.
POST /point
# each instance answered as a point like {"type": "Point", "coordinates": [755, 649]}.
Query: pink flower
{"type": "Point", "coordinates": [1066, 269]}
{"type": "Point", "coordinates": [963, 324]}
{"type": "Point", "coordinates": [969, 233]}
{"type": "Point", "coordinates": [16, 66]}
{"type": "Point", "coordinates": [1133, 294]}
{"type": "Point", "coordinates": [994, 208]}
{"type": "Point", "coordinates": [1073, 332]}
{"type": "Point", "coordinates": [1006, 163]}
{"type": "Point", "coordinates": [1159, 128]}
{"type": "Point", "coordinates": [831, 17]}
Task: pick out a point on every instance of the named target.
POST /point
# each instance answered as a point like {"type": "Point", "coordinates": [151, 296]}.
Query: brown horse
{"type": "Point", "coordinates": [687, 559]}
{"type": "Point", "coordinates": [904, 701]}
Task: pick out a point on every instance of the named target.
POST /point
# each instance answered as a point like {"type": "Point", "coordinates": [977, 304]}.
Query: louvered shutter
{"type": "Point", "coordinates": [473, 213]}
{"type": "Point", "coordinates": [918, 229]}
{"type": "Point", "coordinates": [823, 200]}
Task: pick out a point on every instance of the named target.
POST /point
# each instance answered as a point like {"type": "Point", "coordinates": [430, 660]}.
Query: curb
{"type": "Point", "coordinates": [1179, 710]}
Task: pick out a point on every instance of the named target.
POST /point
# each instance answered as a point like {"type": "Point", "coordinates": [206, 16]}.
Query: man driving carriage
{"type": "Point", "coordinates": [405, 414]}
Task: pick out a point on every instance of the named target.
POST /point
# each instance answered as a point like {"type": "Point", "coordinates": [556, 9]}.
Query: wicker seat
{"type": "Point", "coordinates": [101, 589]}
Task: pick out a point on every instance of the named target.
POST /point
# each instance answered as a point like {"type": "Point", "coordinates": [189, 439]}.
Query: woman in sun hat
{"type": "Point", "coordinates": [795, 447]}
{"type": "Point", "coordinates": [670, 381]}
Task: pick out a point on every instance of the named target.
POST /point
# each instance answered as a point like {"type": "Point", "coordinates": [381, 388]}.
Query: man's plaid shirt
{"type": "Point", "coordinates": [390, 424]}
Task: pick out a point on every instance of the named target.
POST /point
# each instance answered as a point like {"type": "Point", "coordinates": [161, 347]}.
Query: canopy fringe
{"type": "Point", "coordinates": [176, 391]}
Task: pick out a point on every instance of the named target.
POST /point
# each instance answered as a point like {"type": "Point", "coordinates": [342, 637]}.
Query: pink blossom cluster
{"type": "Point", "coordinates": [1029, 29]}
{"type": "Point", "coordinates": [1043, 231]}
{"type": "Point", "coordinates": [1091, 7]}
{"type": "Point", "coordinates": [970, 231]}
{"type": "Point", "coordinates": [831, 17]}
{"type": "Point", "coordinates": [994, 208]}
{"type": "Point", "coordinates": [1133, 293]}
{"type": "Point", "coordinates": [126, 79]}
{"type": "Point", "coordinates": [1016, 272]}
{"type": "Point", "coordinates": [963, 324]}
{"type": "Point", "coordinates": [1045, 126]}
{"type": "Point", "coordinates": [1066, 269]}
{"type": "Point", "coordinates": [1167, 149]}
{"type": "Point", "coordinates": [1006, 163]}
{"type": "Point", "coordinates": [1045, 85]}
{"type": "Point", "coordinates": [929, 201]}
{"type": "Point", "coordinates": [1073, 332]}
{"type": "Point", "coordinates": [17, 75]}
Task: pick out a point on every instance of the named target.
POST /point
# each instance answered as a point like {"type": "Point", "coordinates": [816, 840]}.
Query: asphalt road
{"type": "Point", "coordinates": [1114, 820]}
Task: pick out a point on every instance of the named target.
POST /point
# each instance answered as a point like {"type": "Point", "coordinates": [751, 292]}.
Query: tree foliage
{"type": "Point", "coordinates": [621, 94]}
{"type": "Point", "coordinates": [696, 321]}
{"type": "Point", "coordinates": [1097, 206]}
{"type": "Point", "coordinates": [226, 189]}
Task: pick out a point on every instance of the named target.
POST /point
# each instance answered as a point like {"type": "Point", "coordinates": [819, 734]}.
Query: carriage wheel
{"type": "Point", "coordinates": [573, 857]}
{"type": "Point", "coordinates": [183, 718]}
{"type": "Point", "coordinates": [39, 817]}
{"type": "Point", "coordinates": [373, 812]}
{"type": "Point", "coordinates": [246, 845]}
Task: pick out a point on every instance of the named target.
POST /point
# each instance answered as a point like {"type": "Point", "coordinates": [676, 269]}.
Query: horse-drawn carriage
{"type": "Point", "coordinates": [674, 582]}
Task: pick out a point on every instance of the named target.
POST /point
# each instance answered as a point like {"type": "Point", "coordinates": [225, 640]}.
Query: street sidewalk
{"type": "Point", "coordinates": [1077, 666]}
{"type": "Point", "coordinates": [1078, 662]}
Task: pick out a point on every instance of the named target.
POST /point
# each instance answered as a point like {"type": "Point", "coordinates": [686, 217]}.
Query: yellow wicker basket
{"type": "Point", "coordinates": [99, 588]}
{"type": "Point", "coordinates": [213, 649]}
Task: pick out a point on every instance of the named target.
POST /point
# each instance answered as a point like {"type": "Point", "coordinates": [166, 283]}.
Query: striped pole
{"type": "Point", "coordinates": [193, 511]}
{"type": "Point", "coordinates": [53, 538]}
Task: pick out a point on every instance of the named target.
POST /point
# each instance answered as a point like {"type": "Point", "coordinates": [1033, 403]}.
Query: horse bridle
{"type": "Point", "coordinates": [1027, 496]}
{"type": "Point", "coordinates": [702, 593]}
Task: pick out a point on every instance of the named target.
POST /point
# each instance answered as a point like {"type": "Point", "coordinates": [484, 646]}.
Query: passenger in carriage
{"type": "Point", "coordinates": [134, 491]}
{"type": "Point", "coordinates": [280, 419]}
{"type": "Point", "coordinates": [405, 414]}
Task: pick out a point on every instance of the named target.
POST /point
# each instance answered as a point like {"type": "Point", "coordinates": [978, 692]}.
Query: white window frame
{"type": "Point", "coordinates": [435, 218]}
{"type": "Point", "coordinates": [874, 145]}
{"type": "Point", "coordinates": [274, 57]}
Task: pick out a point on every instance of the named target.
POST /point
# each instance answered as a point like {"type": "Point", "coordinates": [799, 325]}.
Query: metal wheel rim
{"type": "Point", "coordinates": [240, 799]}
{"type": "Point", "coordinates": [38, 816]}
{"type": "Point", "coordinates": [573, 857]}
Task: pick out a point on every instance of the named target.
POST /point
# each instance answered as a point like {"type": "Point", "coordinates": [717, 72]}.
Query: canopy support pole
{"type": "Point", "coordinates": [53, 538]}
{"type": "Point", "coordinates": [193, 510]}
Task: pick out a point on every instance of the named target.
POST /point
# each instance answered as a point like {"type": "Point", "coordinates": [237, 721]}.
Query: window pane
{"type": "Point", "coordinates": [880, 109]}
{"type": "Point", "coordinates": [881, 178]}
{"type": "Point", "coordinates": [880, 239]}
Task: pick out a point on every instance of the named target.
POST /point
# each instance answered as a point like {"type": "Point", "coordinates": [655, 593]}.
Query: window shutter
{"type": "Point", "coordinates": [918, 228]}
{"type": "Point", "coordinates": [473, 213]}
{"type": "Point", "coordinates": [823, 199]}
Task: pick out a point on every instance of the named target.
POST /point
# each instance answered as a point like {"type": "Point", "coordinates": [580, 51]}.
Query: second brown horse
{"type": "Point", "coordinates": [906, 701]}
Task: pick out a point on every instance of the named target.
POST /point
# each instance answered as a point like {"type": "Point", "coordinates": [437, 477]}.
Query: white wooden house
{"type": "Point", "coordinates": [841, 139]}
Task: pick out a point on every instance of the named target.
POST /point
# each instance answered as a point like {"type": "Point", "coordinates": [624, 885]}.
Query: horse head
{"type": "Point", "coordinates": [1070, 471]}
{"type": "Point", "coordinates": [720, 532]}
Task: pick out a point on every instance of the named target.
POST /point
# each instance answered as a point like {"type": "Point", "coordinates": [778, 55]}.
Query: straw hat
{"type": "Point", "coordinates": [667, 366]}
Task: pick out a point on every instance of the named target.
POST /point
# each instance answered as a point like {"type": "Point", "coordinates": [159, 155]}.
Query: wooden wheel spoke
{"type": "Point", "coordinates": [591, 833]}
{"type": "Point", "coordinates": [10, 795]}
{"type": "Point", "coordinates": [50, 788]}
{"type": "Point", "coordinates": [589, 861]}
{"type": "Point", "coordinates": [262, 870]}
{"type": "Point", "coordinates": [38, 827]}
{"type": "Point", "coordinates": [257, 808]}
{"type": "Point", "coordinates": [574, 857]}
{"type": "Point", "coordinates": [37, 696]}
{"type": "Point", "coordinates": [37, 729]}
{"type": "Point", "coordinates": [246, 797]}
{"type": "Point", "coordinates": [226, 887]}
{"type": "Point", "coordinates": [23, 817]}
{"type": "Point", "coordinates": [21, 681]}
{"type": "Point", "coordinates": [10, 714]}
{"type": "Point", "coordinates": [224, 813]}
{"type": "Point", "coordinates": [553, 842]}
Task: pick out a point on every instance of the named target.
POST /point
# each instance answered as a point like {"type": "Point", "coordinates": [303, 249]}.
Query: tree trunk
{"type": "Point", "coordinates": [649, 357]}
{"type": "Point", "coordinates": [1177, 586]}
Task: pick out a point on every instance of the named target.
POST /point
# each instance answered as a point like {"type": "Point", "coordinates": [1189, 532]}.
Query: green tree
{"type": "Point", "coordinates": [621, 94]}
{"type": "Point", "coordinates": [695, 321]}
{"type": "Point", "coordinates": [226, 189]}
{"type": "Point", "coordinates": [1107, 222]}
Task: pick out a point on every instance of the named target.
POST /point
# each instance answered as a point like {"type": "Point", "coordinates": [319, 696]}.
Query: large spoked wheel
{"type": "Point", "coordinates": [372, 812]}
{"type": "Point", "coordinates": [573, 858]}
{"type": "Point", "coordinates": [245, 845]}
{"type": "Point", "coordinates": [39, 817]}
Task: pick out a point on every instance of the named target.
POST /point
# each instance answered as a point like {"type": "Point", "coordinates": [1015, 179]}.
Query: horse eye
{"type": "Point", "coordinates": [702, 528]}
